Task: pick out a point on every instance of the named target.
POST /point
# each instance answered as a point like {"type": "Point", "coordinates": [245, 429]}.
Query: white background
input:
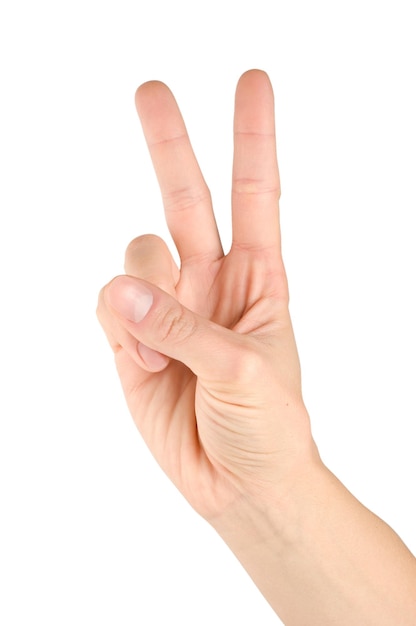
{"type": "Point", "coordinates": [91, 530]}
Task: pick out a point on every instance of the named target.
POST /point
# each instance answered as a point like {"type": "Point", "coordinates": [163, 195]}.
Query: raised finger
{"type": "Point", "coordinates": [256, 184]}
{"type": "Point", "coordinates": [186, 197]}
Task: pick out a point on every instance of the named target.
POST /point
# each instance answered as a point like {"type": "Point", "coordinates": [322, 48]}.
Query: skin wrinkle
{"type": "Point", "coordinates": [251, 187]}
{"type": "Point", "coordinates": [167, 140]}
{"type": "Point", "coordinates": [180, 202]}
{"type": "Point", "coordinates": [247, 133]}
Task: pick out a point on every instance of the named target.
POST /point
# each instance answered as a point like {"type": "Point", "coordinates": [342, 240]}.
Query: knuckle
{"type": "Point", "coordinates": [256, 187]}
{"type": "Point", "coordinates": [249, 366]}
{"type": "Point", "coordinates": [186, 198]}
{"type": "Point", "coordinates": [175, 325]}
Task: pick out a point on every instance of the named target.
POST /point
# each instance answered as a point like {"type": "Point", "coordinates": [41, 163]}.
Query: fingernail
{"type": "Point", "coordinates": [130, 298]}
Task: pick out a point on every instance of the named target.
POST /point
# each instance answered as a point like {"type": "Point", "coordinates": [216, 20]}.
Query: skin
{"type": "Point", "coordinates": [212, 378]}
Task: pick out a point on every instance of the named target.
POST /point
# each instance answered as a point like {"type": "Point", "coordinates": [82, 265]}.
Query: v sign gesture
{"type": "Point", "coordinates": [209, 367]}
{"type": "Point", "coordinates": [206, 353]}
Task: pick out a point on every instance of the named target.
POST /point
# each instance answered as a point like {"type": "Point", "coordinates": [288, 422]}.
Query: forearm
{"type": "Point", "coordinates": [321, 558]}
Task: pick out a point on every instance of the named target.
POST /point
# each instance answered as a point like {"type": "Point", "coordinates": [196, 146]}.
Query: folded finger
{"type": "Point", "coordinates": [148, 257]}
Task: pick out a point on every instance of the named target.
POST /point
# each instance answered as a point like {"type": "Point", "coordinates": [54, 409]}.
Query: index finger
{"type": "Point", "coordinates": [186, 197]}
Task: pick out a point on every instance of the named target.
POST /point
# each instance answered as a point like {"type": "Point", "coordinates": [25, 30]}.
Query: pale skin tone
{"type": "Point", "coordinates": [207, 359]}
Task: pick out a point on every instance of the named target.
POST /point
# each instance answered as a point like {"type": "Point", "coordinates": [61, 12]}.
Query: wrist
{"type": "Point", "coordinates": [319, 556]}
{"type": "Point", "coordinates": [269, 534]}
{"type": "Point", "coordinates": [278, 514]}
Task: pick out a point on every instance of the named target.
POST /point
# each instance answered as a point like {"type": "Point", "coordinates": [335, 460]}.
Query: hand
{"type": "Point", "coordinates": [206, 353]}
{"type": "Point", "coordinates": [207, 359]}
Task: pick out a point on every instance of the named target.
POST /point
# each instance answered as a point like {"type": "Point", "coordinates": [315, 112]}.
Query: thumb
{"type": "Point", "coordinates": [161, 323]}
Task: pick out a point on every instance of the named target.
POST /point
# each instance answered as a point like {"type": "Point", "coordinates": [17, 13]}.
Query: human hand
{"type": "Point", "coordinates": [208, 362]}
{"type": "Point", "coordinates": [206, 353]}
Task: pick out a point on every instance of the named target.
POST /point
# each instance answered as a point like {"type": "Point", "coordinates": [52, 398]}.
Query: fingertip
{"type": "Point", "coordinates": [255, 77]}
{"type": "Point", "coordinates": [159, 113]}
{"type": "Point", "coordinates": [143, 244]}
{"type": "Point", "coordinates": [254, 103]}
{"type": "Point", "coordinates": [150, 90]}
{"type": "Point", "coordinates": [149, 85]}
{"type": "Point", "coordinates": [153, 360]}
{"type": "Point", "coordinates": [254, 71]}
